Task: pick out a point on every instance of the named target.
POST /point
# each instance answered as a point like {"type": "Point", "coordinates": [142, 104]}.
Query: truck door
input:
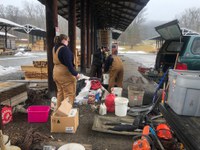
{"type": "Point", "coordinates": [192, 54]}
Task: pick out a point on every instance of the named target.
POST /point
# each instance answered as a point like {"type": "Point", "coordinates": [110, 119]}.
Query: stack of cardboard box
{"type": "Point", "coordinates": [65, 118]}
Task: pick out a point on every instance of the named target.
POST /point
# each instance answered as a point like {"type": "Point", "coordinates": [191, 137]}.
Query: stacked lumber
{"type": "Point", "coordinates": [37, 71]}
{"type": "Point", "coordinates": [40, 64]}
{"type": "Point", "coordinates": [12, 93]}
{"type": "Point", "coordinates": [39, 45]}
{"type": "Point", "coordinates": [77, 58]}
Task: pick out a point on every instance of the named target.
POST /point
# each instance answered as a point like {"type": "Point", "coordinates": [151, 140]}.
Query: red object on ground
{"type": "Point", "coordinates": [181, 66]}
{"type": "Point", "coordinates": [164, 132]}
{"type": "Point", "coordinates": [143, 143]}
{"type": "Point", "coordinates": [6, 114]}
{"type": "Point", "coordinates": [110, 102]}
{"type": "Point", "coordinates": [95, 85]}
{"type": "Point", "coordinates": [143, 69]}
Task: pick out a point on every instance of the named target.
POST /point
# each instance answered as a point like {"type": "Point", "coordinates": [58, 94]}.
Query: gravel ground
{"type": "Point", "coordinates": [19, 127]}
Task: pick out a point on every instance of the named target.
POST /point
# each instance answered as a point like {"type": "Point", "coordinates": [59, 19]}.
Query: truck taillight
{"type": "Point", "coordinates": [181, 66]}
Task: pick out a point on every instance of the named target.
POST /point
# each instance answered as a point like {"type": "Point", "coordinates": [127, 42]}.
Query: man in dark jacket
{"type": "Point", "coordinates": [96, 69]}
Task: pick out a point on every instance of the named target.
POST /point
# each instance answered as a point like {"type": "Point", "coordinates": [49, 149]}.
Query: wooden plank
{"type": "Point", "coordinates": [35, 75]}
{"type": "Point", "coordinates": [11, 89]}
{"type": "Point", "coordinates": [16, 99]}
{"type": "Point", "coordinates": [30, 68]}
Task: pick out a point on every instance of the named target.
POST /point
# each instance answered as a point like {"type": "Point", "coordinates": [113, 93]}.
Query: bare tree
{"type": "Point", "coordinates": [12, 13]}
{"type": "Point", "coordinates": [2, 11]}
{"type": "Point", "coordinates": [132, 33]}
{"type": "Point", "coordinates": [190, 19]}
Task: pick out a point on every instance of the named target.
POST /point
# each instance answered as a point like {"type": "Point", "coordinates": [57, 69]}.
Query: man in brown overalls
{"type": "Point", "coordinates": [115, 67]}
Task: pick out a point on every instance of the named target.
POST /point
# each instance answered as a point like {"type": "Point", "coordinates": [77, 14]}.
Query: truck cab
{"type": "Point", "coordinates": [180, 44]}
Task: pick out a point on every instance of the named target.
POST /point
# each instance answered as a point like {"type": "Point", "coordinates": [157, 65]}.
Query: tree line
{"type": "Point", "coordinates": [140, 30]}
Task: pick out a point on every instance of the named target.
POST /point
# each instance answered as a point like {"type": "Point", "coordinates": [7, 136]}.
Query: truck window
{"type": "Point", "coordinates": [196, 46]}
{"type": "Point", "coordinates": [175, 46]}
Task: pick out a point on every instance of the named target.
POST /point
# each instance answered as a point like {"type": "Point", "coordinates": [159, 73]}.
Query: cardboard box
{"type": "Point", "coordinates": [65, 124]}
{"type": "Point", "coordinates": [64, 108]}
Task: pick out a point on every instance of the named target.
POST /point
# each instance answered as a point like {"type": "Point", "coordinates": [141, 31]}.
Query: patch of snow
{"type": "Point", "coordinates": [23, 54]}
{"type": "Point", "coordinates": [7, 70]}
{"type": "Point", "coordinates": [134, 52]}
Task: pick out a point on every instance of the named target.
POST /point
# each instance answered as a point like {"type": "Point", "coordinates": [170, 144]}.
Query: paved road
{"type": "Point", "coordinates": [147, 60]}
{"type": "Point", "coordinates": [26, 59]}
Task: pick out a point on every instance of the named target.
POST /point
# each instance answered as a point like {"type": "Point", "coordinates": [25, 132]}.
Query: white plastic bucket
{"type": "Point", "coordinates": [121, 106]}
{"type": "Point", "coordinates": [105, 78]}
{"type": "Point", "coordinates": [117, 91]}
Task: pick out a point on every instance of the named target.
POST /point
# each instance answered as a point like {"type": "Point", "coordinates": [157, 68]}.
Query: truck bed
{"type": "Point", "coordinates": [186, 128]}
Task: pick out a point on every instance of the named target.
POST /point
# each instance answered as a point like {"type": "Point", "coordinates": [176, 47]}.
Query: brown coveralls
{"type": "Point", "coordinates": [65, 81]}
{"type": "Point", "coordinates": [116, 72]}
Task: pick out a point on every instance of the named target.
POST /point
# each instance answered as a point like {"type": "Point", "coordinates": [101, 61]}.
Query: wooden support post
{"type": "Point", "coordinates": [6, 37]}
{"type": "Point", "coordinates": [72, 25]}
{"type": "Point", "coordinates": [51, 24]}
{"type": "Point", "coordinates": [83, 37]}
{"type": "Point", "coordinates": [88, 34]}
{"type": "Point", "coordinates": [92, 33]}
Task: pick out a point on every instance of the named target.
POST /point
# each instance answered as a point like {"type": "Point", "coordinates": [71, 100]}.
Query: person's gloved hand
{"type": "Point", "coordinates": [78, 76]}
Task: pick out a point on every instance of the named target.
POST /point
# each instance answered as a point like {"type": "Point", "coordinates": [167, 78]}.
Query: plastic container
{"type": "Point", "coordinates": [117, 91]}
{"type": "Point", "coordinates": [121, 106]}
{"type": "Point", "coordinates": [110, 102]}
{"type": "Point", "coordinates": [105, 78]}
{"type": "Point", "coordinates": [38, 113]}
{"type": "Point", "coordinates": [184, 92]}
{"type": "Point", "coordinates": [72, 146]}
{"type": "Point", "coordinates": [135, 95]}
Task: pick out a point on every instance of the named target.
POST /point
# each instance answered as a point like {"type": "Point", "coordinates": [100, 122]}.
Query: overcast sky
{"type": "Point", "coordinates": [164, 10]}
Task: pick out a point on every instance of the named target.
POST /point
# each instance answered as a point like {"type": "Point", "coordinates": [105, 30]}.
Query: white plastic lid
{"type": "Point", "coordinates": [72, 146]}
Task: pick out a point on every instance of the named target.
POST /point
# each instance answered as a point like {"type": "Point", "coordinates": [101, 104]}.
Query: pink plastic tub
{"type": "Point", "coordinates": [38, 113]}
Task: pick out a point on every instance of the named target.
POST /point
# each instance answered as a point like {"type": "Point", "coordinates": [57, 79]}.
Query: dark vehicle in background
{"type": "Point", "coordinates": [179, 43]}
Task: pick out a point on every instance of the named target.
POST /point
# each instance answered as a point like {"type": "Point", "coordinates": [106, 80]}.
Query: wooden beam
{"type": "Point", "coordinates": [72, 25]}
{"type": "Point", "coordinates": [83, 37]}
{"type": "Point", "coordinates": [51, 23]}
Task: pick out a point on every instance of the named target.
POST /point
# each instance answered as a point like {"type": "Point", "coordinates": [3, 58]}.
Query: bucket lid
{"type": "Point", "coordinates": [121, 100]}
{"type": "Point", "coordinates": [72, 146]}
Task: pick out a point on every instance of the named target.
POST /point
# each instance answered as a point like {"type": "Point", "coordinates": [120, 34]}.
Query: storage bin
{"type": "Point", "coordinates": [38, 113]}
{"type": "Point", "coordinates": [135, 95]}
{"type": "Point", "coordinates": [106, 78]}
{"type": "Point", "coordinates": [184, 92]}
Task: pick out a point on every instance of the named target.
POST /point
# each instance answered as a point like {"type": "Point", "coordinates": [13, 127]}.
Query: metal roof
{"type": "Point", "coordinates": [9, 35]}
{"type": "Point", "coordinates": [8, 23]}
{"type": "Point", "coordinates": [32, 30]}
{"type": "Point", "coordinates": [116, 14]}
